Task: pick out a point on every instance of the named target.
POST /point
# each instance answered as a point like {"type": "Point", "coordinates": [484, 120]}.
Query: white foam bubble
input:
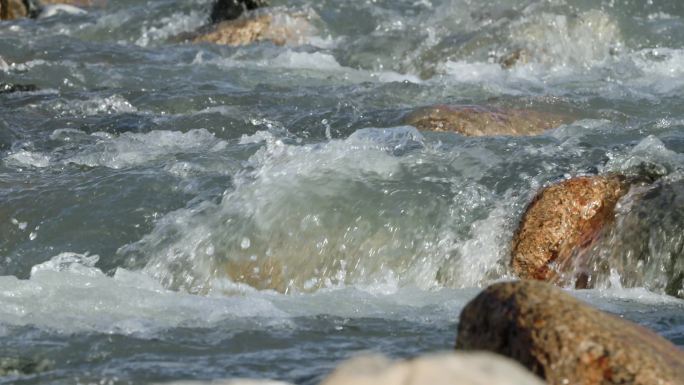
{"type": "Point", "coordinates": [130, 149]}
{"type": "Point", "coordinates": [24, 158]}
{"type": "Point", "coordinates": [169, 26]}
{"type": "Point", "coordinates": [115, 104]}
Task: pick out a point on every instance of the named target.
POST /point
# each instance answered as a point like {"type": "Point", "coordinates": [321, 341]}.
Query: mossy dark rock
{"type": "Point", "coordinates": [6, 88]}
{"type": "Point", "coordinates": [232, 9]}
{"type": "Point", "coordinates": [564, 340]}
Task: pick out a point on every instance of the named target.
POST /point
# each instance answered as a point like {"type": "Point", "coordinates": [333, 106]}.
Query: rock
{"type": "Point", "coordinates": [562, 220]}
{"type": "Point", "coordinates": [232, 9]}
{"type": "Point", "coordinates": [564, 340]}
{"type": "Point", "coordinates": [644, 247]}
{"type": "Point", "coordinates": [442, 369]}
{"type": "Point", "coordinates": [6, 88]}
{"type": "Point", "coordinates": [278, 28]}
{"type": "Point", "coordinates": [12, 9]}
{"type": "Point", "coordinates": [518, 56]}
{"type": "Point", "coordinates": [42, 8]}
{"type": "Point", "coordinates": [471, 120]}
{"type": "Point", "coordinates": [18, 366]}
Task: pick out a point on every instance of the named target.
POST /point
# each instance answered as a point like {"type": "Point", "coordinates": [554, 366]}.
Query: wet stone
{"type": "Point", "coordinates": [12, 9]}
{"type": "Point", "coordinates": [563, 220]}
{"type": "Point", "coordinates": [7, 88]}
{"type": "Point", "coordinates": [472, 120]}
{"type": "Point", "coordinates": [436, 369]}
{"type": "Point", "coordinates": [564, 340]}
{"type": "Point", "coordinates": [278, 28]}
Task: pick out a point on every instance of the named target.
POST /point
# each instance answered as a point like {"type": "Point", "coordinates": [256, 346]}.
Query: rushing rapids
{"type": "Point", "coordinates": [264, 210]}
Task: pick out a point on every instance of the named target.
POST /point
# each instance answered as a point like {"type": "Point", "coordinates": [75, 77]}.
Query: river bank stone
{"type": "Point", "coordinates": [471, 120]}
{"type": "Point", "coordinates": [561, 221]}
{"type": "Point", "coordinates": [276, 27]}
{"type": "Point", "coordinates": [564, 340]}
{"type": "Point", "coordinates": [436, 369]}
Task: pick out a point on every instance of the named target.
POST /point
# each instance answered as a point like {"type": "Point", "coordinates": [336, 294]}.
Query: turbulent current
{"type": "Point", "coordinates": [174, 211]}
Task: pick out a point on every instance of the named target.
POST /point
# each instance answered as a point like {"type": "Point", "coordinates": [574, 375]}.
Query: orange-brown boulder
{"type": "Point", "coordinates": [562, 220]}
{"type": "Point", "coordinates": [12, 9]}
{"type": "Point", "coordinates": [471, 120]}
{"type": "Point", "coordinates": [255, 27]}
{"type": "Point", "coordinates": [564, 340]}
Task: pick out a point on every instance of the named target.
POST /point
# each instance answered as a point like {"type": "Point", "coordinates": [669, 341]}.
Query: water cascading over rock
{"type": "Point", "coordinates": [242, 22]}
{"type": "Point", "coordinates": [563, 219]}
{"type": "Point", "coordinates": [470, 120]}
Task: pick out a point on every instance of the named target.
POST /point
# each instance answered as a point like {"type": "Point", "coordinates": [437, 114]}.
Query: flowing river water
{"type": "Point", "coordinates": [192, 211]}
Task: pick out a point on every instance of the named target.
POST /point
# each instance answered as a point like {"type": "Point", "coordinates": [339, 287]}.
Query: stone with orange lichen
{"type": "Point", "coordinates": [471, 120]}
{"type": "Point", "coordinates": [254, 27]}
{"type": "Point", "coordinates": [564, 340]}
{"type": "Point", "coordinates": [562, 220]}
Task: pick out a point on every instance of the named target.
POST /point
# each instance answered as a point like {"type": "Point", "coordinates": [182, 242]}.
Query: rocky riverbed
{"type": "Point", "coordinates": [201, 191]}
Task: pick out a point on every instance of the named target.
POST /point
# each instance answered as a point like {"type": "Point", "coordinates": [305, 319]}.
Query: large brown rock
{"type": "Point", "coordinates": [442, 369]}
{"type": "Point", "coordinates": [564, 340]}
{"type": "Point", "coordinates": [12, 9]}
{"type": "Point", "coordinates": [471, 120]}
{"type": "Point", "coordinates": [255, 27]}
{"type": "Point", "coordinates": [562, 220]}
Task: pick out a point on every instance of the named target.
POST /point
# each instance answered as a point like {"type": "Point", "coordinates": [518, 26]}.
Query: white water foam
{"type": "Point", "coordinates": [24, 158]}
{"type": "Point", "coordinates": [170, 26]}
{"type": "Point", "coordinates": [115, 104]}
{"type": "Point", "coordinates": [130, 149]}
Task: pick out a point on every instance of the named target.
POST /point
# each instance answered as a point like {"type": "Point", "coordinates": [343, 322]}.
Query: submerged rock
{"type": "Point", "coordinates": [471, 120]}
{"type": "Point", "coordinates": [442, 369]}
{"type": "Point", "coordinates": [12, 9]}
{"type": "Point", "coordinates": [6, 88]}
{"type": "Point", "coordinates": [564, 340]}
{"type": "Point", "coordinates": [562, 220]}
{"type": "Point", "coordinates": [16, 366]}
{"type": "Point", "coordinates": [278, 28]}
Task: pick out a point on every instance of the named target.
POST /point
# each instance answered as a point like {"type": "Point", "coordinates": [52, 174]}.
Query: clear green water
{"type": "Point", "coordinates": [144, 167]}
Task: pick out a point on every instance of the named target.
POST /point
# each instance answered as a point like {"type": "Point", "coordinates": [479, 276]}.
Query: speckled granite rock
{"type": "Point", "coordinates": [483, 121]}
{"type": "Point", "coordinates": [12, 9]}
{"type": "Point", "coordinates": [278, 28]}
{"type": "Point", "coordinates": [563, 219]}
{"type": "Point", "coordinates": [564, 340]}
{"type": "Point", "coordinates": [441, 369]}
